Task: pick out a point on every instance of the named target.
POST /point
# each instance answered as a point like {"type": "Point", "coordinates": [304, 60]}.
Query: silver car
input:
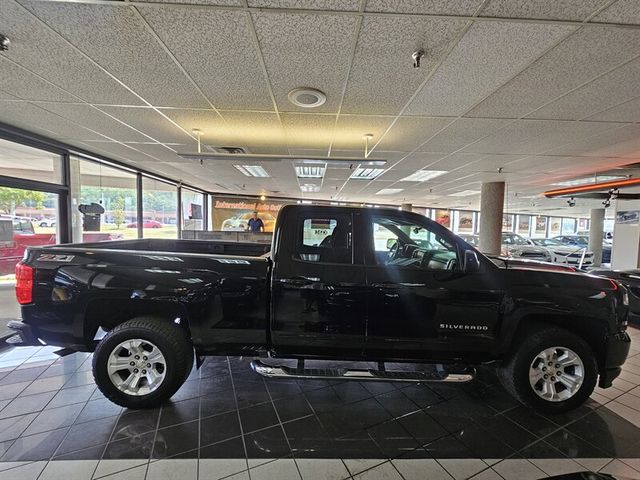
{"type": "Point", "coordinates": [564, 254]}
{"type": "Point", "coordinates": [514, 245]}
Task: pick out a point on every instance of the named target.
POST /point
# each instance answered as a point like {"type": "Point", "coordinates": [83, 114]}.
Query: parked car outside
{"type": "Point", "coordinates": [514, 245]}
{"type": "Point", "coordinates": [561, 253]}
{"type": "Point", "coordinates": [583, 241]}
{"type": "Point", "coordinates": [47, 222]}
{"type": "Point", "coordinates": [146, 224]}
{"type": "Point", "coordinates": [470, 238]}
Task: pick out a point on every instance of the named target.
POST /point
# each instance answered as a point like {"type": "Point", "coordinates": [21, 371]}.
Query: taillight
{"type": "Point", "coordinates": [24, 283]}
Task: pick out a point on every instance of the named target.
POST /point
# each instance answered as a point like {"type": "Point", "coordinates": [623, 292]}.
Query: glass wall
{"type": "Point", "coordinates": [523, 226]}
{"type": "Point", "coordinates": [27, 163]}
{"type": "Point", "coordinates": [103, 202]}
{"type": "Point", "coordinates": [159, 209]}
{"type": "Point", "coordinates": [192, 210]}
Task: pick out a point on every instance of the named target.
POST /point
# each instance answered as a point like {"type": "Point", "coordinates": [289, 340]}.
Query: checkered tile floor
{"type": "Point", "coordinates": [228, 422]}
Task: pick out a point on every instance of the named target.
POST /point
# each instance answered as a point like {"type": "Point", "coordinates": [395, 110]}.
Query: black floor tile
{"type": "Point", "coordinates": [397, 403]}
{"type": "Point", "coordinates": [67, 396]}
{"type": "Point", "coordinates": [350, 392]}
{"type": "Point", "coordinates": [447, 447]}
{"type": "Point", "coordinates": [573, 446]}
{"type": "Point", "coordinates": [508, 432]}
{"type": "Point", "coordinates": [258, 417]}
{"type": "Point", "coordinates": [423, 427]}
{"type": "Point", "coordinates": [82, 436]}
{"type": "Point", "coordinates": [541, 449]}
{"type": "Point", "coordinates": [97, 409]}
{"type": "Point", "coordinates": [251, 393]}
{"type": "Point", "coordinates": [54, 418]}
{"type": "Point", "coordinates": [281, 389]}
{"type": "Point", "coordinates": [218, 428]}
{"type": "Point", "coordinates": [531, 421]}
{"type": "Point", "coordinates": [393, 439]}
{"type": "Point", "coordinates": [216, 403]}
{"type": "Point", "coordinates": [233, 448]}
{"type": "Point", "coordinates": [307, 437]}
{"type": "Point", "coordinates": [135, 422]}
{"type": "Point", "coordinates": [91, 453]}
{"type": "Point", "coordinates": [421, 395]}
{"type": "Point", "coordinates": [179, 412]}
{"type": "Point", "coordinates": [323, 399]}
{"type": "Point", "coordinates": [135, 447]}
{"type": "Point", "coordinates": [482, 444]}
{"type": "Point", "coordinates": [268, 443]}
{"type": "Point", "coordinates": [174, 440]}
{"type": "Point", "coordinates": [40, 446]}
{"type": "Point", "coordinates": [608, 431]}
{"type": "Point", "coordinates": [290, 408]}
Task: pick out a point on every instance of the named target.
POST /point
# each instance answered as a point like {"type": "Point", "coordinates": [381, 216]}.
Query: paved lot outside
{"type": "Point", "coordinates": [9, 308]}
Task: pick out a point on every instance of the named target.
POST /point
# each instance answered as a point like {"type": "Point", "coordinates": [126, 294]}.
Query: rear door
{"type": "Point", "coordinates": [421, 303]}
{"type": "Point", "coordinates": [318, 285]}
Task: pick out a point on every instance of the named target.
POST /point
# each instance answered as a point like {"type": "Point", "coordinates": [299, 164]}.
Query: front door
{"type": "Point", "coordinates": [318, 288]}
{"type": "Point", "coordinates": [422, 304]}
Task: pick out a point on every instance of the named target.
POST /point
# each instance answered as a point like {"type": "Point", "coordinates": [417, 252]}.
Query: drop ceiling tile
{"type": "Point", "coordinates": [306, 50]}
{"type": "Point", "coordinates": [33, 118]}
{"type": "Point", "coordinates": [218, 51]}
{"type": "Point", "coordinates": [536, 136]}
{"type": "Point", "coordinates": [251, 129]}
{"type": "Point", "coordinates": [345, 5]}
{"type": "Point", "coordinates": [417, 161]}
{"type": "Point", "coordinates": [96, 120]}
{"type": "Point", "coordinates": [6, 96]}
{"type": "Point", "coordinates": [151, 122]}
{"type": "Point", "coordinates": [41, 50]}
{"type": "Point", "coordinates": [308, 131]}
{"type": "Point", "coordinates": [408, 133]}
{"type": "Point", "coordinates": [554, 10]}
{"type": "Point", "coordinates": [622, 11]}
{"type": "Point", "coordinates": [431, 7]}
{"type": "Point", "coordinates": [488, 55]}
{"type": "Point", "coordinates": [160, 152]}
{"type": "Point", "coordinates": [350, 129]}
{"type": "Point", "coordinates": [625, 112]}
{"type": "Point", "coordinates": [618, 86]}
{"type": "Point", "coordinates": [207, 121]}
{"type": "Point", "coordinates": [582, 56]}
{"type": "Point", "coordinates": [23, 84]}
{"type": "Point", "coordinates": [382, 78]}
{"type": "Point", "coordinates": [222, 3]}
{"type": "Point", "coordinates": [620, 142]}
{"type": "Point", "coordinates": [116, 38]}
{"type": "Point", "coordinates": [462, 132]}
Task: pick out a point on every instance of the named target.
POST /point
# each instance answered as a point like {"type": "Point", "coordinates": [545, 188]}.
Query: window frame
{"type": "Point", "coordinates": [298, 247]}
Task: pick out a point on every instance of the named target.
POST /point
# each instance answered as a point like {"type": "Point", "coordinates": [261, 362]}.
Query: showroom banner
{"type": "Point", "coordinates": [465, 221]}
{"type": "Point", "coordinates": [541, 226]}
{"type": "Point", "coordinates": [233, 214]}
{"type": "Point", "coordinates": [443, 217]}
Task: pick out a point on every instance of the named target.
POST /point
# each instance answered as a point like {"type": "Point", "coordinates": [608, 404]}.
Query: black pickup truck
{"type": "Point", "coordinates": [347, 284]}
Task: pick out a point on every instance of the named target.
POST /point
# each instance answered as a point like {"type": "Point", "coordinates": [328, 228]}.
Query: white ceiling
{"type": "Point", "coordinates": [545, 90]}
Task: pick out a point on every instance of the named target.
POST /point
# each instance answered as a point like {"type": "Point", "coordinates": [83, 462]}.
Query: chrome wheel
{"type": "Point", "coordinates": [136, 367]}
{"type": "Point", "coordinates": [556, 374]}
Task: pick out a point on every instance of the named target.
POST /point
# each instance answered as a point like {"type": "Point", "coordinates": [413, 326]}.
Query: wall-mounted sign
{"type": "Point", "coordinates": [628, 217]}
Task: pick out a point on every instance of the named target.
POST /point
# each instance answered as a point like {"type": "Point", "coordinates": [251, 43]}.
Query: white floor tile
{"type": "Point", "coordinates": [381, 472]}
{"type": "Point", "coordinates": [420, 469]}
{"type": "Point", "coordinates": [357, 465]}
{"type": "Point", "coordinates": [629, 414]}
{"type": "Point", "coordinates": [632, 462]}
{"type": "Point", "coordinates": [630, 400]}
{"type": "Point", "coordinates": [136, 473]}
{"type": "Point", "coordinates": [281, 469]}
{"type": "Point", "coordinates": [518, 469]}
{"type": "Point", "coordinates": [239, 476]}
{"type": "Point", "coordinates": [108, 467]}
{"type": "Point", "coordinates": [69, 470]}
{"type": "Point", "coordinates": [462, 468]}
{"type": "Point", "coordinates": [322, 469]}
{"type": "Point", "coordinates": [215, 468]}
{"type": "Point", "coordinates": [557, 466]}
{"type": "Point", "coordinates": [173, 469]}
{"type": "Point", "coordinates": [10, 465]}
{"type": "Point", "coordinates": [593, 464]}
{"type": "Point", "coordinates": [488, 474]}
{"type": "Point", "coordinates": [29, 471]}
{"type": "Point", "coordinates": [616, 467]}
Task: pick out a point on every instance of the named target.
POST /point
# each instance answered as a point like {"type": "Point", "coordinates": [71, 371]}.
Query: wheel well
{"type": "Point", "coordinates": [590, 330]}
{"type": "Point", "coordinates": [107, 313]}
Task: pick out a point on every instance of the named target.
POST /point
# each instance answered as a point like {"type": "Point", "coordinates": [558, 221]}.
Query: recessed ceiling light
{"type": "Point", "coordinates": [307, 97]}
{"type": "Point", "coordinates": [465, 193]}
{"type": "Point", "coordinates": [309, 188]}
{"type": "Point", "coordinates": [389, 191]}
{"type": "Point", "coordinates": [252, 170]}
{"type": "Point", "coordinates": [310, 171]}
{"type": "Point", "coordinates": [366, 173]}
{"type": "Point", "coordinates": [423, 175]}
{"type": "Point", "coordinates": [589, 180]}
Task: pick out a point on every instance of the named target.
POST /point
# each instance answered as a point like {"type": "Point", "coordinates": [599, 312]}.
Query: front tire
{"type": "Point", "coordinates": [552, 371]}
{"type": "Point", "coordinates": [142, 362]}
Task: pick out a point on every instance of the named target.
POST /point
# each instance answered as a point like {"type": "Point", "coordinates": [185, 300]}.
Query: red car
{"type": "Point", "coordinates": [146, 224]}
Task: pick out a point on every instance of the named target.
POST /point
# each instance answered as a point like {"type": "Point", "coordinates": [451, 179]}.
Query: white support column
{"type": "Point", "coordinates": [596, 235]}
{"type": "Point", "coordinates": [406, 207]}
{"type": "Point", "coordinates": [491, 210]}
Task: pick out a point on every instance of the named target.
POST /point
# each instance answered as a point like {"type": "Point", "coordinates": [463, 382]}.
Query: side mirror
{"type": "Point", "coordinates": [391, 243]}
{"type": "Point", "coordinates": [471, 262]}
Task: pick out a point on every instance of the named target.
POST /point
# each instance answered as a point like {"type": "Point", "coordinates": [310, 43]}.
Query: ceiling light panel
{"type": "Point", "coordinates": [589, 180]}
{"type": "Point", "coordinates": [423, 175]}
{"type": "Point", "coordinates": [309, 188]}
{"type": "Point", "coordinates": [252, 170]}
{"type": "Point", "coordinates": [310, 171]}
{"type": "Point", "coordinates": [389, 191]}
{"type": "Point", "coordinates": [366, 173]}
{"type": "Point", "coordinates": [465, 193]}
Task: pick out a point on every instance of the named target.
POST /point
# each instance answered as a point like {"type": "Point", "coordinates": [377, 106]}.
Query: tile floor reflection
{"type": "Point", "coordinates": [228, 422]}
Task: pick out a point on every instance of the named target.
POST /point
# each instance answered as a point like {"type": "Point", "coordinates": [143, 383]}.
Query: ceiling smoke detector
{"type": "Point", "coordinates": [307, 97]}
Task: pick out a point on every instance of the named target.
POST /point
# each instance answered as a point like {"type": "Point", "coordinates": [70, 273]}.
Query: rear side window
{"type": "Point", "coordinates": [325, 239]}
{"type": "Point", "coordinates": [6, 231]}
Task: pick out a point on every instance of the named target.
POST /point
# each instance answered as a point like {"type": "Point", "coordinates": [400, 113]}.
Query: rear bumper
{"type": "Point", "coordinates": [24, 336]}
{"type": "Point", "coordinates": [616, 352]}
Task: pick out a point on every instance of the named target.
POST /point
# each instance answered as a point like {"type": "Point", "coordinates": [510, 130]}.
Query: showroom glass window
{"type": "Point", "coordinates": [103, 202]}
{"type": "Point", "coordinates": [159, 209]}
{"type": "Point", "coordinates": [192, 210]}
{"type": "Point", "coordinates": [28, 216]}
{"type": "Point", "coordinates": [401, 243]}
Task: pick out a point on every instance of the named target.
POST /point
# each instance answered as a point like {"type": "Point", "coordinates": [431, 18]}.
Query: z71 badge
{"type": "Point", "coordinates": [55, 258]}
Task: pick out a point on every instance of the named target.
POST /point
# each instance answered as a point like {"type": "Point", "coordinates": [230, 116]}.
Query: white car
{"type": "Point", "coordinates": [564, 254]}
{"type": "Point", "coordinates": [46, 222]}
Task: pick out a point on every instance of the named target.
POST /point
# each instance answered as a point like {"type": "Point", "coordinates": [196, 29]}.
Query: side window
{"type": "Point", "coordinates": [407, 244]}
{"type": "Point", "coordinates": [325, 240]}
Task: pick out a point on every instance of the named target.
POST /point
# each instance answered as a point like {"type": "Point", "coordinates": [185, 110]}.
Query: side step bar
{"type": "Point", "coordinates": [279, 371]}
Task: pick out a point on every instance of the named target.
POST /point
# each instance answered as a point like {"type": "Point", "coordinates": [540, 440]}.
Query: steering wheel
{"type": "Point", "coordinates": [394, 251]}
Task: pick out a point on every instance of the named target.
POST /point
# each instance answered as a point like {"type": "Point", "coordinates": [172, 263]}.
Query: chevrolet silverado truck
{"type": "Point", "coordinates": [365, 286]}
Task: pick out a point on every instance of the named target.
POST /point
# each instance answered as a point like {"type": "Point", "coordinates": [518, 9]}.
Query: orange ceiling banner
{"type": "Point", "coordinates": [563, 192]}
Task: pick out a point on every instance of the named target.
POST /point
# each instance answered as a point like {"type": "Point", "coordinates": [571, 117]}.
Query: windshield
{"type": "Point", "coordinates": [546, 242]}
{"type": "Point", "coordinates": [514, 240]}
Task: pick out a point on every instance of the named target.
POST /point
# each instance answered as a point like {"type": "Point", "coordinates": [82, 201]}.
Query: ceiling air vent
{"type": "Point", "coordinates": [226, 150]}
{"type": "Point", "coordinates": [307, 97]}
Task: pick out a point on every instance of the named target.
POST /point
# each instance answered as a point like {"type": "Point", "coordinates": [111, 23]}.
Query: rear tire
{"type": "Point", "coordinates": [142, 362]}
{"type": "Point", "coordinates": [531, 375]}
